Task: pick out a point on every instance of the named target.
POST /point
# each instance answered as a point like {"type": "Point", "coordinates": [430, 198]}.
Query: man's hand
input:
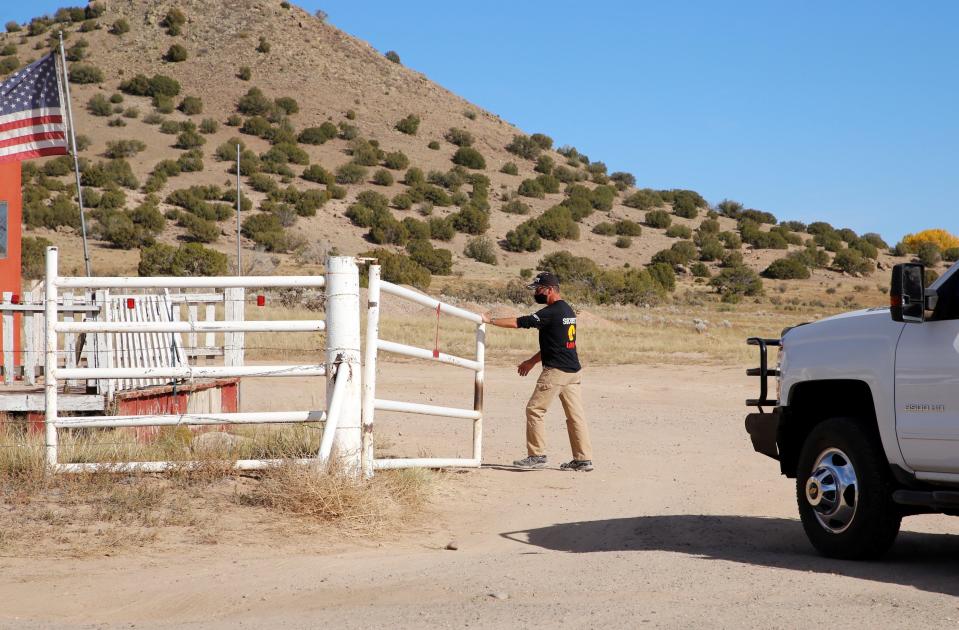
{"type": "Point", "coordinates": [487, 318]}
{"type": "Point", "coordinates": [524, 367]}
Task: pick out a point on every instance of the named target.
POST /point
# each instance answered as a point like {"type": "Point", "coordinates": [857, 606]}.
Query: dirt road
{"type": "Point", "coordinates": [681, 525]}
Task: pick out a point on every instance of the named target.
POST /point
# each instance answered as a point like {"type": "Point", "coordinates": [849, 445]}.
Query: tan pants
{"type": "Point", "coordinates": [567, 385]}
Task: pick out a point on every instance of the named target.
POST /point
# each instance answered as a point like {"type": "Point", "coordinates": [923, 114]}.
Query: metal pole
{"type": "Point", "coordinates": [478, 392]}
{"type": "Point", "coordinates": [239, 265]}
{"type": "Point", "coordinates": [76, 158]}
{"type": "Point", "coordinates": [50, 357]}
{"type": "Point", "coordinates": [343, 356]}
{"type": "Point", "coordinates": [369, 368]}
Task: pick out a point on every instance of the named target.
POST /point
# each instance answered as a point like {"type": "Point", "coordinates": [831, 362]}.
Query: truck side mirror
{"type": "Point", "coordinates": [907, 301]}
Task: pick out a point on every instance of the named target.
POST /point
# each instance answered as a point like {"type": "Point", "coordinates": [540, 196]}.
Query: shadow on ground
{"type": "Point", "coordinates": [924, 561]}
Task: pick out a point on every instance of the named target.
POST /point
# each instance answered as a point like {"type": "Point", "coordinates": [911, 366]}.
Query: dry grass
{"type": "Point", "coordinates": [93, 514]}
{"type": "Point", "coordinates": [364, 508]}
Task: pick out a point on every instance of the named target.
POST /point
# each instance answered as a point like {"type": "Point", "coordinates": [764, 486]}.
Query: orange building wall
{"type": "Point", "coordinates": [10, 280]}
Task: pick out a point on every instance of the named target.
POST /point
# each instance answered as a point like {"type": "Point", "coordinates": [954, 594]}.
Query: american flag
{"type": "Point", "coordinates": [31, 118]}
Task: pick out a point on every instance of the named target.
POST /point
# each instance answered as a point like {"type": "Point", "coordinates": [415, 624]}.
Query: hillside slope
{"type": "Point", "coordinates": [333, 78]}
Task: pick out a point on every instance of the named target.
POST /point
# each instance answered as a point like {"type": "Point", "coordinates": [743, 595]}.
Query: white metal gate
{"type": "Point", "coordinates": [342, 362]}
{"type": "Point", "coordinates": [377, 287]}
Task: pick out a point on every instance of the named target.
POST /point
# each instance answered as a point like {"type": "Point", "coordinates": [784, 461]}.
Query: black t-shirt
{"type": "Point", "coordinates": [557, 335]}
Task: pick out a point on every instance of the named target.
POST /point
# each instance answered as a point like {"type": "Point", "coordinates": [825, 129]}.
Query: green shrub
{"type": "Point", "coordinates": [244, 73]}
{"type": "Point", "coordinates": [33, 252]}
{"type": "Point", "coordinates": [175, 54]}
{"type": "Point", "coordinates": [470, 220]}
{"type": "Point", "coordinates": [433, 144]}
{"type": "Point", "coordinates": [318, 174]}
{"type": "Point", "coordinates": [131, 112]}
{"type": "Point", "coordinates": [469, 157]}
{"type": "Point", "coordinates": [350, 173]}
{"type": "Point", "coordinates": [8, 65]}
{"type": "Point", "coordinates": [875, 240]}
{"type": "Point", "coordinates": [124, 148]}
{"type": "Point", "coordinates": [531, 188]}
{"type": "Point", "coordinates": [209, 126]}
{"type": "Point", "coordinates": [481, 249]}
{"type": "Point", "coordinates": [198, 230]}
{"type": "Point", "coordinates": [408, 125]}
{"type": "Point", "coordinates": [173, 21]}
{"type": "Point", "coordinates": [364, 152]}
{"type": "Point", "coordinates": [556, 224]}
{"type": "Point", "coordinates": [400, 269]}
{"type": "Point", "coordinates": [287, 104]}
{"type": "Point", "coordinates": [189, 140]}
{"type": "Point", "coordinates": [117, 122]}
{"type": "Point", "coordinates": [254, 103]}
{"type": "Point", "coordinates": [523, 239]}
{"type": "Point", "coordinates": [685, 207]}
{"type": "Point", "coordinates": [98, 105]}
{"type": "Point", "coordinates": [928, 254]}
{"type": "Point", "coordinates": [852, 262]}
{"type": "Point", "coordinates": [623, 180]}
{"type": "Point", "coordinates": [515, 206]}
{"type": "Point", "coordinates": [644, 199]}
{"type": "Point", "coordinates": [113, 173]}
{"type": "Point", "coordinates": [679, 231]}
{"type": "Point", "coordinates": [84, 73]}
{"type": "Point", "coordinates": [318, 135]}
{"type": "Point", "coordinates": [541, 140]}
{"type": "Point", "coordinates": [13, 27]}
{"type": "Point", "coordinates": [865, 248]}
{"type": "Point", "coordinates": [951, 254]}
{"type": "Point", "coordinates": [699, 270]}
{"type": "Point", "coordinates": [393, 56]}
{"type": "Point", "coordinates": [605, 229]}
{"type": "Point", "coordinates": [623, 242]}
{"type": "Point", "coordinates": [524, 147]}
{"type": "Point", "coordinates": [626, 227]}
{"type": "Point", "coordinates": [163, 104]}
{"type": "Point", "coordinates": [459, 137]}
{"type": "Point", "coordinates": [437, 261]}
{"type": "Point", "coordinates": [347, 131]}
{"type": "Point", "coordinates": [710, 248]}
{"type": "Point", "coordinates": [382, 177]}
{"type": "Point", "coordinates": [787, 269]}
{"type": "Point", "coordinates": [658, 219]}
{"type": "Point", "coordinates": [510, 169]}
{"type": "Point", "coordinates": [402, 201]}
{"type": "Point", "coordinates": [396, 160]}
{"type": "Point", "coordinates": [737, 281]}
{"type": "Point", "coordinates": [191, 105]}
{"type": "Point", "coordinates": [263, 46]}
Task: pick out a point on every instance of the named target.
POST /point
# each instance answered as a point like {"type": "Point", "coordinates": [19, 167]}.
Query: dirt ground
{"type": "Point", "coordinates": [681, 525]}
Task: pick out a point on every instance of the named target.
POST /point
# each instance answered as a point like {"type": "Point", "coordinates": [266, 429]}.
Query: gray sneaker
{"type": "Point", "coordinates": [533, 461]}
{"type": "Point", "coordinates": [578, 465]}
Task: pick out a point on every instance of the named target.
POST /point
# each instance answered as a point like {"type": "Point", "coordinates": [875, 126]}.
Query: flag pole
{"type": "Point", "coordinates": [76, 158]}
{"type": "Point", "coordinates": [239, 199]}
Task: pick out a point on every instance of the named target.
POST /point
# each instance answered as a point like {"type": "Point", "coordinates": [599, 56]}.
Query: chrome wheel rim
{"type": "Point", "coordinates": [832, 490]}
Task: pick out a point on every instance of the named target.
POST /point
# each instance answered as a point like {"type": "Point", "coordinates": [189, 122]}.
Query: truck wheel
{"type": "Point", "coordinates": [844, 492]}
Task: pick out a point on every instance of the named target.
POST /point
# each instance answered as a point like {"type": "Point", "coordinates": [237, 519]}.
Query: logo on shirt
{"type": "Point", "coordinates": [571, 333]}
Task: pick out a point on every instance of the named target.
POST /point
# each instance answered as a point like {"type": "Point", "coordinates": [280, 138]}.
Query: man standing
{"type": "Point", "coordinates": [561, 375]}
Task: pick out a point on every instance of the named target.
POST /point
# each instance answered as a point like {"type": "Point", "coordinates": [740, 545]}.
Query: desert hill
{"type": "Point", "coordinates": [310, 73]}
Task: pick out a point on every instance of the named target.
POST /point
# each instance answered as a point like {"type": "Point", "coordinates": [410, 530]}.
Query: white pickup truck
{"type": "Point", "coordinates": [866, 416]}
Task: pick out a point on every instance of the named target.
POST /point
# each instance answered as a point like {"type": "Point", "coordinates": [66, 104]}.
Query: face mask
{"type": "Point", "coordinates": [540, 298]}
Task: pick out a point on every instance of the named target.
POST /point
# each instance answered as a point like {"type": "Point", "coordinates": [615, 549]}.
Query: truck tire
{"type": "Point", "coordinates": [844, 491]}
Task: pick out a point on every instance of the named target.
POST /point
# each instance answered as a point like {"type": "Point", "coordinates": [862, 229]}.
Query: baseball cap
{"type": "Point", "coordinates": [544, 279]}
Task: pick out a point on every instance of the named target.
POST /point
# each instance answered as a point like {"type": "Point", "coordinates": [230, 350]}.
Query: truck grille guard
{"type": "Point", "coordinates": [763, 372]}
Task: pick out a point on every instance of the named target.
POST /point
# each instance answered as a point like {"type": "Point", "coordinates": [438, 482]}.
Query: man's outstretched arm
{"type": "Point", "coordinates": [502, 322]}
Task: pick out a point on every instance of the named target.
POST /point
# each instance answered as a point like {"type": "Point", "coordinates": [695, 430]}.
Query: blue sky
{"type": "Point", "coordinates": [844, 112]}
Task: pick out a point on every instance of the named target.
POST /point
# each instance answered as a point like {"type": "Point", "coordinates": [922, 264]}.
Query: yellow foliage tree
{"type": "Point", "coordinates": [939, 237]}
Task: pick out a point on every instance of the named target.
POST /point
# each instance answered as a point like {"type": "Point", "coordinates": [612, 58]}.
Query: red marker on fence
{"type": "Point", "coordinates": [261, 300]}
{"type": "Point", "coordinates": [130, 303]}
{"type": "Point", "coordinates": [14, 299]}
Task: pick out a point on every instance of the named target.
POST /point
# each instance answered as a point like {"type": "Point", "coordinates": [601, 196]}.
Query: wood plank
{"type": "Point", "coordinates": [69, 339]}
{"type": "Point", "coordinates": [191, 317]}
{"type": "Point", "coordinates": [9, 363]}
{"type": "Point", "coordinates": [29, 349]}
{"type": "Point", "coordinates": [65, 402]}
{"type": "Point", "coordinates": [210, 317]}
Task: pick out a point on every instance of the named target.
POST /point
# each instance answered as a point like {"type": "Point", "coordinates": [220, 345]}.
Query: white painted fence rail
{"type": "Point", "coordinates": [342, 362]}
{"type": "Point", "coordinates": [371, 404]}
